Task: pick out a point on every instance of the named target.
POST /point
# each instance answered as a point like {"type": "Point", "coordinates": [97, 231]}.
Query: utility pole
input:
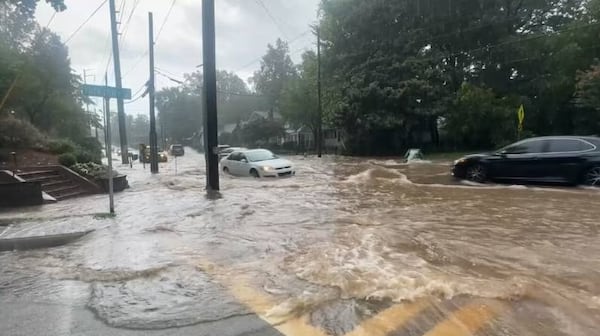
{"type": "Point", "coordinates": [211, 141]}
{"type": "Point", "coordinates": [151, 94]}
{"type": "Point", "coordinates": [118, 82]}
{"type": "Point", "coordinates": [320, 108]}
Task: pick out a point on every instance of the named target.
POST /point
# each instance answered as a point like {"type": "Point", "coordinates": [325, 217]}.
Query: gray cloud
{"type": "Point", "coordinates": [243, 31]}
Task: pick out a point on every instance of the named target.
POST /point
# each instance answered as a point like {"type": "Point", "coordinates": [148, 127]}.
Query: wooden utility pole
{"type": "Point", "coordinates": [151, 95]}
{"type": "Point", "coordinates": [211, 140]}
{"type": "Point", "coordinates": [118, 82]}
{"type": "Point", "coordinates": [320, 121]}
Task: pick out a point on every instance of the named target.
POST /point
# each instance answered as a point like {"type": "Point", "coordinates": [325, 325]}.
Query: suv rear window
{"type": "Point", "coordinates": [568, 145]}
{"type": "Point", "coordinates": [526, 147]}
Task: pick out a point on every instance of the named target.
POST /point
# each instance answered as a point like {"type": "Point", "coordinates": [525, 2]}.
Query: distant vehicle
{"type": "Point", "coordinates": [176, 150]}
{"type": "Point", "coordinates": [559, 159]}
{"type": "Point", "coordinates": [257, 163]}
{"type": "Point", "coordinates": [162, 156]}
{"type": "Point", "coordinates": [226, 151]}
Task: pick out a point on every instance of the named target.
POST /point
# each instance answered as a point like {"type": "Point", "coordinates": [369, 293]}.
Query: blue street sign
{"type": "Point", "coordinates": [105, 91]}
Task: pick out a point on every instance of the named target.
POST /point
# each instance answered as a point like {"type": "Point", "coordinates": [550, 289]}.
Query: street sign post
{"type": "Point", "coordinates": [105, 91]}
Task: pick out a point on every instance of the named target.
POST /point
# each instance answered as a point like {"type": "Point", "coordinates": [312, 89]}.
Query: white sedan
{"type": "Point", "coordinates": [257, 163]}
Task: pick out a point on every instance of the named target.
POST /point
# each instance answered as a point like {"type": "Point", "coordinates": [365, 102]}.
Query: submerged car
{"type": "Point", "coordinates": [559, 159]}
{"type": "Point", "coordinates": [176, 150]}
{"type": "Point", "coordinates": [161, 156]}
{"type": "Point", "coordinates": [257, 163]}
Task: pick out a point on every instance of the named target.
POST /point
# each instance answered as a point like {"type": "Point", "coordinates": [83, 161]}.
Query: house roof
{"type": "Point", "coordinates": [265, 115]}
{"type": "Point", "coordinates": [228, 128]}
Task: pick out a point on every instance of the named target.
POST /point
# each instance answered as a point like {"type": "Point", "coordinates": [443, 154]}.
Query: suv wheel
{"type": "Point", "coordinates": [477, 173]}
{"type": "Point", "coordinates": [592, 177]}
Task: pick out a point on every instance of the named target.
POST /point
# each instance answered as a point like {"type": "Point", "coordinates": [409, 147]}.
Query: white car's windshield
{"type": "Point", "coordinates": [260, 155]}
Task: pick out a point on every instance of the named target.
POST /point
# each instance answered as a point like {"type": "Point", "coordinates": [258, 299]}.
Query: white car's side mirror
{"type": "Point", "coordinates": [244, 160]}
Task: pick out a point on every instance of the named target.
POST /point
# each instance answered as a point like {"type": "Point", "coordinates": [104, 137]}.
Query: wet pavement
{"type": "Point", "coordinates": [347, 247]}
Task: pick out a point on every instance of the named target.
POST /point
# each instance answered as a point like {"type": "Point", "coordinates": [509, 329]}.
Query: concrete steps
{"type": "Point", "coordinates": [55, 183]}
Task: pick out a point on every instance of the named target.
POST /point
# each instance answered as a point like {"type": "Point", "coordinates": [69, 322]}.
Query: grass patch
{"type": "Point", "coordinates": [104, 215]}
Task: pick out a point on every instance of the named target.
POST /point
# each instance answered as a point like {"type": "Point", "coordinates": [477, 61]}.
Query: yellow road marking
{"type": "Point", "coordinates": [389, 320]}
{"type": "Point", "coordinates": [467, 320]}
{"type": "Point", "coordinates": [261, 304]}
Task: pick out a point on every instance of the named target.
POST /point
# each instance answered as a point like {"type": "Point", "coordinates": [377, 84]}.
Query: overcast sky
{"type": "Point", "coordinates": [244, 28]}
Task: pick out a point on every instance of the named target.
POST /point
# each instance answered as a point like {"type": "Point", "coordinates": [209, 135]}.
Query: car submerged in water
{"type": "Point", "coordinates": [257, 163]}
{"type": "Point", "coordinates": [559, 159]}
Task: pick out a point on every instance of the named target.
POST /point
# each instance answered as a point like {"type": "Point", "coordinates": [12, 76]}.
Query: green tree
{"type": "Point", "coordinates": [261, 132]}
{"type": "Point", "coordinates": [180, 113]}
{"type": "Point", "coordinates": [480, 119]}
{"type": "Point", "coordinates": [393, 69]}
{"type": "Point", "coordinates": [299, 102]}
{"type": "Point", "coordinates": [276, 69]}
{"type": "Point", "coordinates": [588, 97]}
{"type": "Point", "coordinates": [18, 20]}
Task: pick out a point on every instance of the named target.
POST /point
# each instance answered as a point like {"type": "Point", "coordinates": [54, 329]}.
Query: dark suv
{"type": "Point", "coordinates": [563, 159]}
{"type": "Point", "coordinates": [176, 150]}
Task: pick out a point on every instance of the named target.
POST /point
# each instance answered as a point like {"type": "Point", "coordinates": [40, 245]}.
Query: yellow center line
{"type": "Point", "coordinates": [467, 320]}
{"type": "Point", "coordinates": [389, 320]}
{"type": "Point", "coordinates": [261, 304]}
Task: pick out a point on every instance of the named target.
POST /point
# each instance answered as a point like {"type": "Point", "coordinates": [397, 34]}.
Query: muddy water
{"type": "Point", "coordinates": [343, 240]}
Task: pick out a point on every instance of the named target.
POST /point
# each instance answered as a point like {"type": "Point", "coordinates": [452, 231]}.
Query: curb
{"type": "Point", "coordinates": [37, 242]}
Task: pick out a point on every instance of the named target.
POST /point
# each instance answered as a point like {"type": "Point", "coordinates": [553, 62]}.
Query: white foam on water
{"type": "Point", "coordinates": [366, 270]}
{"type": "Point", "coordinates": [378, 174]}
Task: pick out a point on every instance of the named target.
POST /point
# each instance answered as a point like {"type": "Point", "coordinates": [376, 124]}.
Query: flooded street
{"type": "Point", "coordinates": [348, 246]}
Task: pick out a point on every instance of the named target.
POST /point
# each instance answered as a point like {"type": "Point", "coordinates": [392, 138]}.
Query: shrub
{"type": "Point", "coordinates": [84, 156]}
{"type": "Point", "coordinates": [61, 146]}
{"type": "Point", "coordinates": [18, 133]}
{"type": "Point", "coordinates": [93, 170]}
{"type": "Point", "coordinates": [91, 145]}
{"type": "Point", "coordinates": [67, 159]}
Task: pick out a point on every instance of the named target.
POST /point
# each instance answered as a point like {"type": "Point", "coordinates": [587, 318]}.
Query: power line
{"type": "Point", "coordinates": [134, 100]}
{"type": "Point", "coordinates": [164, 21]}
{"type": "Point", "coordinates": [51, 19]}
{"type": "Point", "coordinates": [85, 22]}
{"type": "Point", "coordinates": [219, 91]}
{"type": "Point", "coordinates": [270, 15]}
{"type": "Point", "coordinates": [126, 25]}
{"type": "Point", "coordinates": [136, 63]}
{"type": "Point", "coordinates": [260, 57]}
{"type": "Point", "coordinates": [122, 10]}
{"type": "Point", "coordinates": [169, 77]}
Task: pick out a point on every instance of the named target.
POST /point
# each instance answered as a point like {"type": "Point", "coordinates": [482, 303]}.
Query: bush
{"type": "Point", "coordinates": [93, 170]}
{"type": "Point", "coordinates": [91, 145]}
{"type": "Point", "coordinates": [67, 159]}
{"type": "Point", "coordinates": [61, 146]}
{"type": "Point", "coordinates": [84, 156]}
{"type": "Point", "coordinates": [18, 133]}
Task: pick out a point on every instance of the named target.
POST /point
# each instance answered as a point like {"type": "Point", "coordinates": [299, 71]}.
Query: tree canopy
{"type": "Point", "coordinates": [36, 79]}
{"type": "Point", "coordinates": [396, 72]}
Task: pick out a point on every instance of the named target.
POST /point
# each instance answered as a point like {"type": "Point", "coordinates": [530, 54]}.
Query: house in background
{"type": "Point", "coordinates": [264, 115]}
{"type": "Point", "coordinates": [227, 128]}
{"type": "Point", "coordinates": [303, 138]}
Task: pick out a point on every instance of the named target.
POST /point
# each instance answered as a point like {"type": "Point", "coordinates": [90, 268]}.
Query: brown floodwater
{"type": "Point", "coordinates": [347, 245]}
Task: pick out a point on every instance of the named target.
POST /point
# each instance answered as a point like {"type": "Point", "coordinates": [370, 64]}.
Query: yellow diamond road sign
{"type": "Point", "coordinates": [521, 114]}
